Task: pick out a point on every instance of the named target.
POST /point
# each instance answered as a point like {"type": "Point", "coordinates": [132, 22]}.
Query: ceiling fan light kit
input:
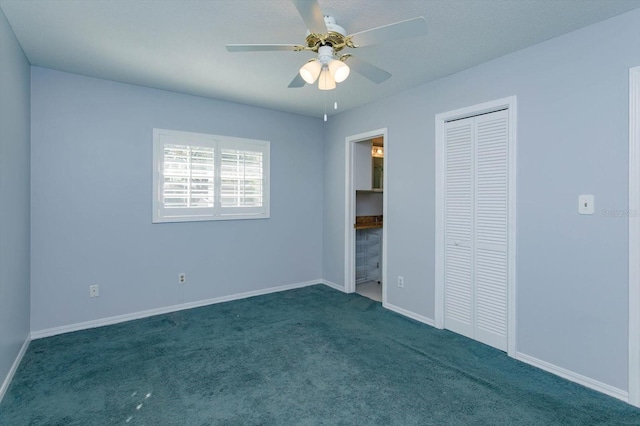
{"type": "Point", "coordinates": [326, 81]}
{"type": "Point", "coordinates": [329, 70]}
{"type": "Point", "coordinates": [310, 71]}
{"type": "Point", "coordinates": [339, 70]}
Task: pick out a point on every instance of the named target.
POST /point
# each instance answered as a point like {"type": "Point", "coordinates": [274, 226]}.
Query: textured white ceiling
{"type": "Point", "coordinates": [179, 45]}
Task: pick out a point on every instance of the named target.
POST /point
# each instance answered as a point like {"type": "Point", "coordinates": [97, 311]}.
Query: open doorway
{"type": "Point", "coordinates": [365, 234]}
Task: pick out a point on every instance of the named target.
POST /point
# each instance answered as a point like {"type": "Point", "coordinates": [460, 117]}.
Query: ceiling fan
{"type": "Point", "coordinates": [328, 39]}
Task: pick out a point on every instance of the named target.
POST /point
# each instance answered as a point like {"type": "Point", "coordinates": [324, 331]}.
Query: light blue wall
{"type": "Point", "coordinates": [572, 274]}
{"type": "Point", "coordinates": [91, 202]}
{"type": "Point", "coordinates": [14, 197]}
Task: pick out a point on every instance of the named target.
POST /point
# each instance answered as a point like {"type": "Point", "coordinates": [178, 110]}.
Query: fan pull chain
{"type": "Point", "coordinates": [335, 98]}
{"type": "Point", "coordinates": [325, 102]}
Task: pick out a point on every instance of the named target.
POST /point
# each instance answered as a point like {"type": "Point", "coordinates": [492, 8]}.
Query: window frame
{"type": "Point", "coordinates": [161, 214]}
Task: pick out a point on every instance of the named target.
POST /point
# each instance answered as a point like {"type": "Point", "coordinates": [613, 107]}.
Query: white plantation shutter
{"type": "Point", "coordinates": [188, 176]}
{"type": "Point", "coordinates": [242, 178]}
{"type": "Point", "coordinates": [476, 200]}
{"type": "Point", "coordinates": [207, 177]}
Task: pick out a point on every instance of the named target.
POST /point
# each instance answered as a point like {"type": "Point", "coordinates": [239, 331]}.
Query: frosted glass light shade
{"type": "Point", "coordinates": [339, 70]}
{"type": "Point", "coordinates": [326, 81]}
{"type": "Point", "coordinates": [310, 71]}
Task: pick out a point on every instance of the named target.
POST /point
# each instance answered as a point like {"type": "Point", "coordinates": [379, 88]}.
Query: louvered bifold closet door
{"type": "Point", "coordinates": [458, 256]}
{"type": "Point", "coordinates": [476, 228]}
{"type": "Point", "coordinates": [491, 230]}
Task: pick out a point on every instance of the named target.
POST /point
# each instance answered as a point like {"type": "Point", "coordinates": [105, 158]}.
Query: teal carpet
{"type": "Point", "coordinates": [302, 357]}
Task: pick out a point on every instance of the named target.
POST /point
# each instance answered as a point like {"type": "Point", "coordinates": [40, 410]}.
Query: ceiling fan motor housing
{"type": "Point", "coordinates": [335, 37]}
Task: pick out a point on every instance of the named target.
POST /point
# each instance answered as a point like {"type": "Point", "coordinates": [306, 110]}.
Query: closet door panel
{"type": "Point", "coordinates": [458, 261]}
{"type": "Point", "coordinates": [491, 230]}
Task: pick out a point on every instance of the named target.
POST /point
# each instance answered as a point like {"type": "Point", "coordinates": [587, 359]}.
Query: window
{"type": "Point", "coordinates": [207, 177]}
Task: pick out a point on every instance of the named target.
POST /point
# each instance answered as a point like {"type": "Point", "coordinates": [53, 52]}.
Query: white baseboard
{"type": "Point", "coordinates": [574, 377]}
{"type": "Point", "coordinates": [409, 314]}
{"type": "Point", "coordinates": [39, 334]}
{"type": "Point", "coordinates": [333, 285]}
{"type": "Point", "coordinates": [14, 368]}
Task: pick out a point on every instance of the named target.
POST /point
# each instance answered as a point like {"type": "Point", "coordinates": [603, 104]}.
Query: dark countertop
{"type": "Point", "coordinates": [368, 222]}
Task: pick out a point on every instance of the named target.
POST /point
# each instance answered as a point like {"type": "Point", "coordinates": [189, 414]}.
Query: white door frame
{"type": "Point", "coordinates": [350, 210]}
{"type": "Point", "coordinates": [634, 237]}
{"type": "Point", "coordinates": [487, 107]}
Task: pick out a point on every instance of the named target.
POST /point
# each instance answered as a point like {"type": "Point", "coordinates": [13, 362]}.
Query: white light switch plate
{"type": "Point", "coordinates": [585, 204]}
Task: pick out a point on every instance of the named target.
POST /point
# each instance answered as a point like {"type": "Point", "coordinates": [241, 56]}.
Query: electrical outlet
{"type": "Point", "coordinates": [94, 291]}
{"type": "Point", "coordinates": [182, 278]}
{"type": "Point", "coordinates": [401, 282]}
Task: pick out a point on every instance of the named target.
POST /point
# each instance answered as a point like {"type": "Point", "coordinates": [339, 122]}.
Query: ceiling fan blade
{"type": "Point", "coordinates": [311, 15]}
{"type": "Point", "coordinates": [410, 28]}
{"type": "Point", "coordinates": [263, 47]}
{"type": "Point", "coordinates": [368, 70]}
{"type": "Point", "coordinates": [298, 81]}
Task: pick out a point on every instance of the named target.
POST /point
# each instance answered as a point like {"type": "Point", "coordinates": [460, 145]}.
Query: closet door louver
{"type": "Point", "coordinates": [491, 186]}
{"type": "Point", "coordinates": [458, 227]}
{"type": "Point", "coordinates": [475, 269]}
